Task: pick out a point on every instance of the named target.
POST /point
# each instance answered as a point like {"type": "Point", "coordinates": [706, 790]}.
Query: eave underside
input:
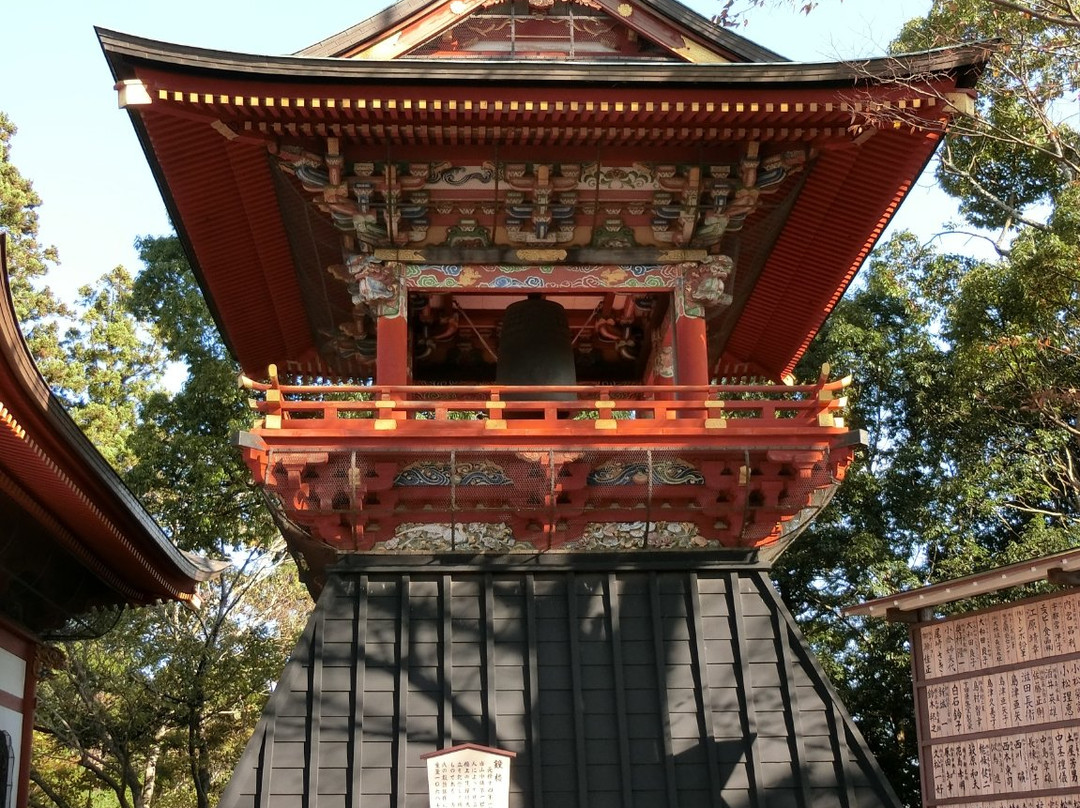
{"type": "Point", "coordinates": [43, 586]}
{"type": "Point", "coordinates": [64, 503]}
{"type": "Point", "coordinates": [685, 685]}
{"type": "Point", "coordinates": [208, 139]}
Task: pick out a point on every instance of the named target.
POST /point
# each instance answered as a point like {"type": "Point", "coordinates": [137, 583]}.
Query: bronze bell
{"type": "Point", "coordinates": [535, 348]}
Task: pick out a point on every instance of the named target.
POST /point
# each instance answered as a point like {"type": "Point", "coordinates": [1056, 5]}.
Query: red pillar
{"type": "Point", "coordinates": [392, 351]}
{"type": "Point", "coordinates": [691, 359]}
{"type": "Point", "coordinates": [691, 351]}
{"type": "Point", "coordinates": [661, 368]}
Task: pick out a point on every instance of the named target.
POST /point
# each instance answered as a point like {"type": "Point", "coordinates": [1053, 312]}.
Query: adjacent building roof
{"type": "Point", "coordinates": [664, 684]}
{"type": "Point", "coordinates": [1061, 567]}
{"type": "Point", "coordinates": [72, 536]}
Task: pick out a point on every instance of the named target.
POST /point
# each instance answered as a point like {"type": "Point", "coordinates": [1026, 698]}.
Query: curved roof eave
{"type": "Point", "coordinates": [72, 452]}
{"type": "Point", "coordinates": [123, 51]}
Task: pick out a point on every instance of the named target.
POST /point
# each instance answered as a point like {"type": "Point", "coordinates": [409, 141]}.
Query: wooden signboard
{"type": "Point", "coordinates": [998, 700]}
{"type": "Point", "coordinates": [469, 776]}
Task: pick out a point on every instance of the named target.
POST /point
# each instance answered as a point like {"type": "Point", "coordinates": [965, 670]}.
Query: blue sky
{"type": "Point", "coordinates": [82, 155]}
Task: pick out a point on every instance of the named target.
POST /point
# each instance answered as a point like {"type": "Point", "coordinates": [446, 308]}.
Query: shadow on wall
{"type": "Point", "coordinates": [687, 687]}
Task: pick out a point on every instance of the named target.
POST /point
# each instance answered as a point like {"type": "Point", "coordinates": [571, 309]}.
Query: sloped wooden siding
{"type": "Point", "coordinates": [617, 689]}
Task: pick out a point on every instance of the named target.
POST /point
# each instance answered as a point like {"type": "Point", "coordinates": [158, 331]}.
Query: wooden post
{"type": "Point", "coordinates": [392, 352]}
{"type": "Point", "coordinates": [691, 358]}
{"type": "Point", "coordinates": [691, 351]}
{"type": "Point", "coordinates": [661, 369]}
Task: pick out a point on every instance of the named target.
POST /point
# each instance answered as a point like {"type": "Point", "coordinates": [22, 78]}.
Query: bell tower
{"type": "Point", "coordinates": [518, 287]}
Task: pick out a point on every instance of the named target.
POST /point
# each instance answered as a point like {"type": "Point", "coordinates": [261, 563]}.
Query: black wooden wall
{"type": "Point", "coordinates": [44, 587]}
{"type": "Point", "coordinates": [687, 685]}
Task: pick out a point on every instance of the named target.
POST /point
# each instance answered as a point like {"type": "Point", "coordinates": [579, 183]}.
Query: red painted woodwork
{"type": "Point", "coordinates": [692, 353]}
{"type": "Point", "coordinates": [215, 118]}
{"type": "Point", "coordinates": [745, 466]}
{"type": "Point", "coordinates": [370, 219]}
{"type": "Point", "coordinates": [52, 473]}
{"type": "Point", "coordinates": [393, 359]}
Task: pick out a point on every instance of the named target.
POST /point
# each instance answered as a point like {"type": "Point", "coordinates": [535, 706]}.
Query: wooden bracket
{"type": "Point", "coordinates": [1063, 577]}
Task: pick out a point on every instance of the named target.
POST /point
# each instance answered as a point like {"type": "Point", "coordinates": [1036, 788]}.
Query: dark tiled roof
{"type": "Point", "coordinates": [689, 686]}
{"type": "Point", "coordinates": [831, 216]}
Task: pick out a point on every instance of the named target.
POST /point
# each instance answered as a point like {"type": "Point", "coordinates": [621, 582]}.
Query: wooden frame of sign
{"type": "Point", "coordinates": [469, 775]}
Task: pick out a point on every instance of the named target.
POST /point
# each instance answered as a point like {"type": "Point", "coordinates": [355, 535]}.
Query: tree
{"type": "Point", "coordinates": [965, 374]}
{"type": "Point", "coordinates": [962, 386]}
{"type": "Point", "coordinates": [204, 496]}
{"type": "Point", "coordinates": [887, 512]}
{"type": "Point", "coordinates": [156, 712]}
{"type": "Point", "coordinates": [111, 367]}
{"type": "Point", "coordinates": [1014, 165]}
{"type": "Point", "coordinates": [733, 13]}
{"type": "Point", "coordinates": [1015, 151]}
{"type": "Point", "coordinates": [28, 261]}
{"type": "Point", "coordinates": [190, 475]}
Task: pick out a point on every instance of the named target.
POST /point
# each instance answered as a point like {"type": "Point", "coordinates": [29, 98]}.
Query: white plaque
{"type": "Point", "coordinates": [469, 776]}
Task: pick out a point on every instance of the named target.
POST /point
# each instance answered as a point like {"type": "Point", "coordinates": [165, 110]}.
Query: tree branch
{"type": "Point", "coordinates": [1071, 21]}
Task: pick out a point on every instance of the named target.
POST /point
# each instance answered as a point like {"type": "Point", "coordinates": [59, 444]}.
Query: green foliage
{"type": "Point", "coordinates": [28, 261]}
{"type": "Point", "coordinates": [111, 367]}
{"type": "Point", "coordinates": [1017, 151]}
{"type": "Point", "coordinates": [1014, 325]}
{"type": "Point", "coordinates": [886, 511]}
{"type": "Point", "coordinates": [167, 296]}
{"type": "Point", "coordinates": [157, 712]}
{"type": "Point", "coordinates": [966, 382]}
{"type": "Point", "coordinates": [190, 474]}
{"type": "Point", "coordinates": [966, 375]}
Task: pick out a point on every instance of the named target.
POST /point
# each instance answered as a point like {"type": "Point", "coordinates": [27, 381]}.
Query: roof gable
{"type": "Point", "coordinates": [563, 30]}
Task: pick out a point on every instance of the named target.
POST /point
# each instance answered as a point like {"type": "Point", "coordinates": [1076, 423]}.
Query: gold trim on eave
{"type": "Point", "coordinates": [136, 89]}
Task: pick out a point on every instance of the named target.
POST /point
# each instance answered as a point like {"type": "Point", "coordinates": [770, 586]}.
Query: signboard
{"type": "Point", "coordinates": [469, 776]}
{"type": "Point", "coordinates": [998, 701]}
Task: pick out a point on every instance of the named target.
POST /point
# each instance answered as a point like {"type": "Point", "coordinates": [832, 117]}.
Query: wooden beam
{"type": "Point", "coordinates": [1062, 567]}
{"type": "Point", "coordinates": [1063, 577]}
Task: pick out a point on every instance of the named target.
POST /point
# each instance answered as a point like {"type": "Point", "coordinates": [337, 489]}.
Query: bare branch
{"type": "Point", "coordinates": [1069, 20]}
{"type": "Point", "coordinates": [997, 244]}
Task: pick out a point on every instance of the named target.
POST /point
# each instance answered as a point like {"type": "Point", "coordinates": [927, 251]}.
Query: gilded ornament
{"type": "Point", "coordinates": [398, 255]}
{"type": "Point", "coordinates": [680, 256]}
{"type": "Point", "coordinates": [541, 256]}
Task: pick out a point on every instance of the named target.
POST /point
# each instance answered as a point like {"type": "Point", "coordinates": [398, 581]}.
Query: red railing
{"type": "Point", "coordinates": [624, 408]}
{"type": "Point", "coordinates": [357, 464]}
